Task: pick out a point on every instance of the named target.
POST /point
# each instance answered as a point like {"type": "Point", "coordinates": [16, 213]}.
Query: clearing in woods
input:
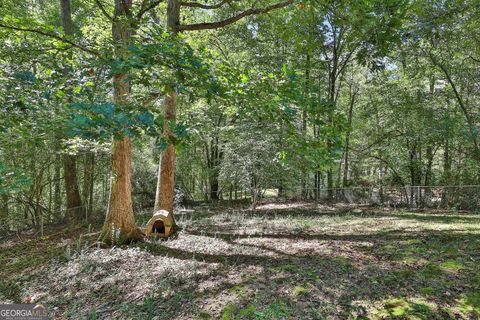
{"type": "Point", "coordinates": [297, 261]}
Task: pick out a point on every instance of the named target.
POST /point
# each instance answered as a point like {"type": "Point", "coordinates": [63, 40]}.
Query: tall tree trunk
{"type": "Point", "coordinates": [428, 176]}
{"type": "Point", "coordinates": [415, 171]}
{"type": "Point", "coordinates": [318, 184]}
{"type": "Point", "coordinates": [304, 120]}
{"type": "Point", "coordinates": [4, 212]}
{"type": "Point", "coordinates": [50, 194]}
{"type": "Point", "coordinates": [317, 176]}
{"type": "Point", "coordinates": [156, 206]}
{"type": "Point", "coordinates": [57, 188]}
{"type": "Point", "coordinates": [88, 177]}
{"type": "Point", "coordinates": [214, 187]}
{"type": "Point", "coordinates": [281, 178]}
{"type": "Point", "coordinates": [74, 201]}
{"type": "Point", "coordinates": [167, 170]}
{"type": "Point", "coordinates": [447, 164]}
{"type": "Point", "coordinates": [428, 170]}
{"type": "Point", "coordinates": [66, 17]}
{"type": "Point", "coordinates": [215, 159]}
{"type": "Point", "coordinates": [331, 112]}
{"type": "Point", "coordinates": [447, 173]}
{"type": "Point", "coordinates": [119, 226]}
{"type": "Point", "coordinates": [353, 94]}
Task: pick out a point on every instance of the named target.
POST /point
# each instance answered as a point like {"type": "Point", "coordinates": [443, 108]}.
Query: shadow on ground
{"type": "Point", "coordinates": [395, 270]}
{"type": "Point", "coordinates": [285, 264]}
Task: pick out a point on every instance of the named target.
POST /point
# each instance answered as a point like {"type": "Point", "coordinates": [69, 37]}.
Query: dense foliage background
{"type": "Point", "coordinates": [313, 96]}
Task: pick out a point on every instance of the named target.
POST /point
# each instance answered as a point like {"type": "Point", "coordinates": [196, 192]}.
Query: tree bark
{"type": "Point", "coordinates": [428, 170]}
{"type": "Point", "coordinates": [214, 186]}
{"type": "Point", "coordinates": [318, 184]}
{"type": "Point", "coordinates": [74, 201]}
{"type": "Point", "coordinates": [447, 172]}
{"type": "Point", "coordinates": [119, 226]}
{"type": "Point", "coordinates": [57, 204]}
{"type": "Point", "coordinates": [414, 152]}
{"type": "Point", "coordinates": [167, 170]}
{"type": "Point", "coordinates": [331, 108]}
{"type": "Point", "coordinates": [281, 179]}
{"type": "Point", "coordinates": [447, 164]}
{"type": "Point", "coordinates": [353, 94]}
{"type": "Point", "coordinates": [88, 177]}
{"type": "Point", "coordinates": [166, 190]}
{"type": "Point", "coordinates": [66, 17]}
{"type": "Point", "coordinates": [304, 120]}
{"type": "Point", "coordinates": [4, 212]}
{"type": "Point", "coordinates": [156, 207]}
{"type": "Point", "coordinates": [71, 182]}
{"type": "Point", "coordinates": [214, 167]}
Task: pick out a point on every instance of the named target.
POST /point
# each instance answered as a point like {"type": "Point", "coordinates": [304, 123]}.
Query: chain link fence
{"type": "Point", "coordinates": [466, 197]}
{"type": "Point", "coordinates": [436, 197]}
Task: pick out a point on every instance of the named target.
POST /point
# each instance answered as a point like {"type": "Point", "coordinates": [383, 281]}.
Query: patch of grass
{"type": "Point", "coordinates": [286, 267]}
{"type": "Point", "coordinates": [124, 308]}
{"type": "Point", "coordinates": [228, 313]}
{"type": "Point", "coordinates": [299, 291]}
{"type": "Point", "coordinates": [277, 310]}
{"type": "Point", "coordinates": [92, 315]}
{"type": "Point", "coordinates": [237, 289]}
{"type": "Point", "coordinates": [430, 271]}
{"type": "Point", "coordinates": [471, 303]}
{"type": "Point", "coordinates": [179, 298]}
{"type": "Point", "coordinates": [429, 291]}
{"type": "Point", "coordinates": [403, 309]}
{"type": "Point", "coordinates": [343, 263]}
{"type": "Point", "coordinates": [398, 277]}
{"type": "Point", "coordinates": [247, 312]}
{"type": "Point", "coordinates": [451, 266]}
{"type": "Point", "coordinates": [204, 316]}
{"type": "Point", "coordinates": [414, 242]}
{"type": "Point", "coordinates": [476, 280]}
{"type": "Point", "coordinates": [10, 290]}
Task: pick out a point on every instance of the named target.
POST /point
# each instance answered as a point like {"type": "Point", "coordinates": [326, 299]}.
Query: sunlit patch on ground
{"type": "Point", "coordinates": [279, 262]}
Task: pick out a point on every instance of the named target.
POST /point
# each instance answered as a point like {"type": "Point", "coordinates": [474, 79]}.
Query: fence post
{"type": "Point", "coordinates": [419, 204]}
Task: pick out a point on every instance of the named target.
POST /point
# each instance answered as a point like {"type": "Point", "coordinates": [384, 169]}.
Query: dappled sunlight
{"type": "Point", "coordinates": [127, 275]}
{"type": "Point", "coordinates": [240, 160]}
{"type": "Point", "coordinates": [213, 245]}
{"type": "Point", "coordinates": [300, 265]}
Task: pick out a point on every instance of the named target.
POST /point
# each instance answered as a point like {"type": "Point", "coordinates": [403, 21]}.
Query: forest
{"type": "Point", "coordinates": [240, 159]}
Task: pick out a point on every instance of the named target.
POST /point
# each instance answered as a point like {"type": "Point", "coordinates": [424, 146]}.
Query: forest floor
{"type": "Point", "coordinates": [282, 261]}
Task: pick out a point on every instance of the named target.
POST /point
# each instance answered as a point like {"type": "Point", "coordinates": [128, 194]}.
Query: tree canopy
{"type": "Point", "coordinates": [226, 97]}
